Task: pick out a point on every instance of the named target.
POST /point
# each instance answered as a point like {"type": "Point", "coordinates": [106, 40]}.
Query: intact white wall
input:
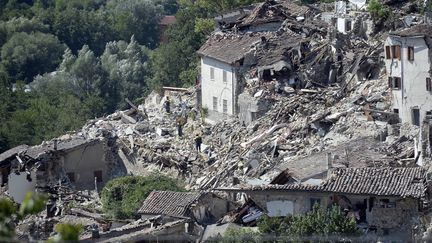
{"type": "Point", "coordinates": [19, 185]}
{"type": "Point", "coordinates": [413, 93]}
{"type": "Point", "coordinates": [342, 22]}
{"type": "Point", "coordinates": [217, 88]}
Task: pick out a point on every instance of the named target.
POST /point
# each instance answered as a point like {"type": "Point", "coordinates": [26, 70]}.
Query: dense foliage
{"type": "Point", "coordinates": [122, 197]}
{"type": "Point", "coordinates": [82, 58]}
{"type": "Point", "coordinates": [319, 223]}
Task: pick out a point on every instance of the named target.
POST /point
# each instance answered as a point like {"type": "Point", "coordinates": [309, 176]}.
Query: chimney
{"type": "Point", "coordinates": [329, 161]}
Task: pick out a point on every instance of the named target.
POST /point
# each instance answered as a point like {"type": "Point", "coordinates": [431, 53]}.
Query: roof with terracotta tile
{"type": "Point", "coordinates": [417, 30]}
{"type": "Point", "coordinates": [385, 181]}
{"type": "Point", "coordinates": [229, 48]}
{"type": "Point", "coordinates": [169, 203]}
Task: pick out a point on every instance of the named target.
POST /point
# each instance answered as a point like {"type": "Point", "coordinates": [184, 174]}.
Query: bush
{"type": "Point", "coordinates": [243, 235]}
{"type": "Point", "coordinates": [122, 197]}
{"type": "Point", "coordinates": [320, 222]}
{"type": "Point", "coordinates": [377, 10]}
{"type": "Point", "coordinates": [275, 226]}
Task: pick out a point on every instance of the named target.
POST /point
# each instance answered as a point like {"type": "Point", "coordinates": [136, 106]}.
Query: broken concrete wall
{"type": "Point", "coordinates": [85, 163]}
{"type": "Point", "coordinates": [396, 219]}
{"type": "Point", "coordinates": [211, 208]}
{"type": "Point", "coordinates": [251, 108]}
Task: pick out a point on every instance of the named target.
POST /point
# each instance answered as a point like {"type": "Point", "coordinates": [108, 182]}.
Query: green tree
{"type": "Point", "coordinates": [26, 55]}
{"type": "Point", "coordinates": [178, 56]}
{"type": "Point", "coordinates": [77, 28]}
{"type": "Point", "coordinates": [135, 17]}
{"type": "Point", "coordinates": [378, 10]}
{"type": "Point", "coordinates": [126, 65]}
{"type": "Point", "coordinates": [122, 197]}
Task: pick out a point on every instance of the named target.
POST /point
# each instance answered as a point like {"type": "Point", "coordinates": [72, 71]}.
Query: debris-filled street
{"type": "Point", "coordinates": [296, 105]}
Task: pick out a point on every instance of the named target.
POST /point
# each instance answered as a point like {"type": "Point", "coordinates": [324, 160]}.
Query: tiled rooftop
{"type": "Point", "coordinates": [169, 203]}
{"type": "Point", "coordinates": [385, 181]}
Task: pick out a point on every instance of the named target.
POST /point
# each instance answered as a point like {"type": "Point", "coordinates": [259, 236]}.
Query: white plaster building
{"type": "Point", "coordinates": [221, 60]}
{"type": "Point", "coordinates": [408, 66]}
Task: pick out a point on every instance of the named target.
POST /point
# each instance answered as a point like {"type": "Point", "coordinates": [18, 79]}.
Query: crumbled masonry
{"type": "Point", "coordinates": [330, 137]}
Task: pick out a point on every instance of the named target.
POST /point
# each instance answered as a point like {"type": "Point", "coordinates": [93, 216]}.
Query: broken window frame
{"type": "Point", "coordinates": [224, 76]}
{"type": "Point", "coordinates": [225, 106]}
{"type": "Point", "coordinates": [410, 53]}
{"type": "Point", "coordinates": [428, 84]}
{"type": "Point", "coordinates": [215, 103]}
{"type": "Point", "coordinates": [212, 73]}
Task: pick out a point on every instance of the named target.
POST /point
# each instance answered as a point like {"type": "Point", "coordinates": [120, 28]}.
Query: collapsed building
{"type": "Point", "coordinates": [83, 164]}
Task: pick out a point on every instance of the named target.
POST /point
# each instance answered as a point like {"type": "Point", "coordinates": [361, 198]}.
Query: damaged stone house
{"type": "Point", "coordinates": [203, 207]}
{"type": "Point", "coordinates": [385, 200]}
{"type": "Point", "coordinates": [77, 162]}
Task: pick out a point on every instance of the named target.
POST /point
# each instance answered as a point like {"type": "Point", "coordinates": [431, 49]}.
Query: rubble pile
{"type": "Point", "coordinates": [300, 123]}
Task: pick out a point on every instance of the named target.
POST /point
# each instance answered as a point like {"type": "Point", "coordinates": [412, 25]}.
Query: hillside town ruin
{"type": "Point", "coordinates": [296, 105]}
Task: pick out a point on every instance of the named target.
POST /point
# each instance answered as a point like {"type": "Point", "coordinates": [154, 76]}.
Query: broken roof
{"type": "Point", "coordinates": [417, 30]}
{"type": "Point", "coordinates": [229, 48]}
{"type": "Point", "coordinates": [12, 152]}
{"type": "Point", "coordinates": [265, 12]}
{"type": "Point", "coordinates": [274, 11]}
{"type": "Point", "coordinates": [385, 181]}
{"type": "Point", "coordinates": [35, 151]}
{"type": "Point", "coordinates": [169, 203]}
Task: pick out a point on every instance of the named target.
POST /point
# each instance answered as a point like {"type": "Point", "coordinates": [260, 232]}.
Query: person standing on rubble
{"type": "Point", "coordinates": [198, 141]}
{"type": "Point", "coordinates": [167, 104]}
{"type": "Point", "coordinates": [180, 122]}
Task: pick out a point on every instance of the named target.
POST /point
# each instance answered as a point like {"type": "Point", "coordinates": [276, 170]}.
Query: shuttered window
{"type": "Point", "coordinates": [387, 52]}
{"type": "Point", "coordinates": [395, 82]}
{"type": "Point", "coordinates": [428, 84]}
{"type": "Point", "coordinates": [410, 53]}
